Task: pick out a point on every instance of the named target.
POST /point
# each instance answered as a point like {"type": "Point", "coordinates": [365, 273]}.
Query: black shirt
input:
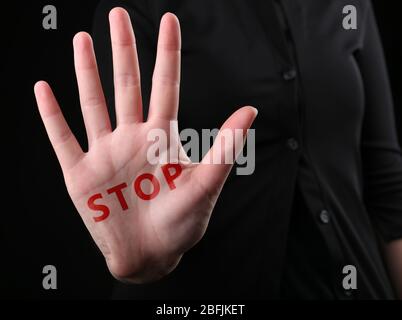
{"type": "Point", "coordinates": [325, 124]}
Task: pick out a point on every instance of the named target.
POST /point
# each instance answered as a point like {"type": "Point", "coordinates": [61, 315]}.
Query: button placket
{"type": "Point", "coordinates": [292, 144]}
{"type": "Point", "coordinates": [289, 74]}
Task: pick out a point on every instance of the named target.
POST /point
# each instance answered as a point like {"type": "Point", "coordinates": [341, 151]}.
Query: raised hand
{"type": "Point", "coordinates": [142, 225]}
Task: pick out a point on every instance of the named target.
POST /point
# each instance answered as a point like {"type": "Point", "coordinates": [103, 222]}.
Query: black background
{"type": "Point", "coordinates": [39, 224]}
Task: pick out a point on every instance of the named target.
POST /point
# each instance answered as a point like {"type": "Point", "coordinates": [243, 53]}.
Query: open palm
{"type": "Point", "coordinates": [141, 238]}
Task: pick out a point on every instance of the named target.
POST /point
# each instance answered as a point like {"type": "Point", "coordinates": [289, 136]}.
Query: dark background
{"type": "Point", "coordinates": [39, 224]}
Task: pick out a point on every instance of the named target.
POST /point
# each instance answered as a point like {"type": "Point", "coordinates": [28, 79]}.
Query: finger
{"type": "Point", "coordinates": [92, 100]}
{"type": "Point", "coordinates": [126, 72]}
{"type": "Point", "coordinates": [65, 145]}
{"type": "Point", "coordinates": [215, 167]}
{"type": "Point", "coordinates": [166, 78]}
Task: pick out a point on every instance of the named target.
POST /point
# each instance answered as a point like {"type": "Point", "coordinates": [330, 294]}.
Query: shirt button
{"type": "Point", "coordinates": [289, 75]}
{"type": "Point", "coordinates": [348, 293]}
{"type": "Point", "coordinates": [293, 144]}
{"type": "Point", "coordinates": [324, 216]}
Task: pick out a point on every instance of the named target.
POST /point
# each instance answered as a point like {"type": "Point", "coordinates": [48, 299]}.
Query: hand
{"type": "Point", "coordinates": [142, 240]}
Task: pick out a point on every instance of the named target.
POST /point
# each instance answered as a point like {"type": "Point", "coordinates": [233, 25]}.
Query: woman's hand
{"type": "Point", "coordinates": [141, 239]}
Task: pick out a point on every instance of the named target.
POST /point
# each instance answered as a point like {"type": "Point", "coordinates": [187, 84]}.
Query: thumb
{"type": "Point", "coordinates": [217, 163]}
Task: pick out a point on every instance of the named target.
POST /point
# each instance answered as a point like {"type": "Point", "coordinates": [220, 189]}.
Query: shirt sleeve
{"type": "Point", "coordinates": [145, 30]}
{"type": "Point", "coordinates": [381, 153]}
